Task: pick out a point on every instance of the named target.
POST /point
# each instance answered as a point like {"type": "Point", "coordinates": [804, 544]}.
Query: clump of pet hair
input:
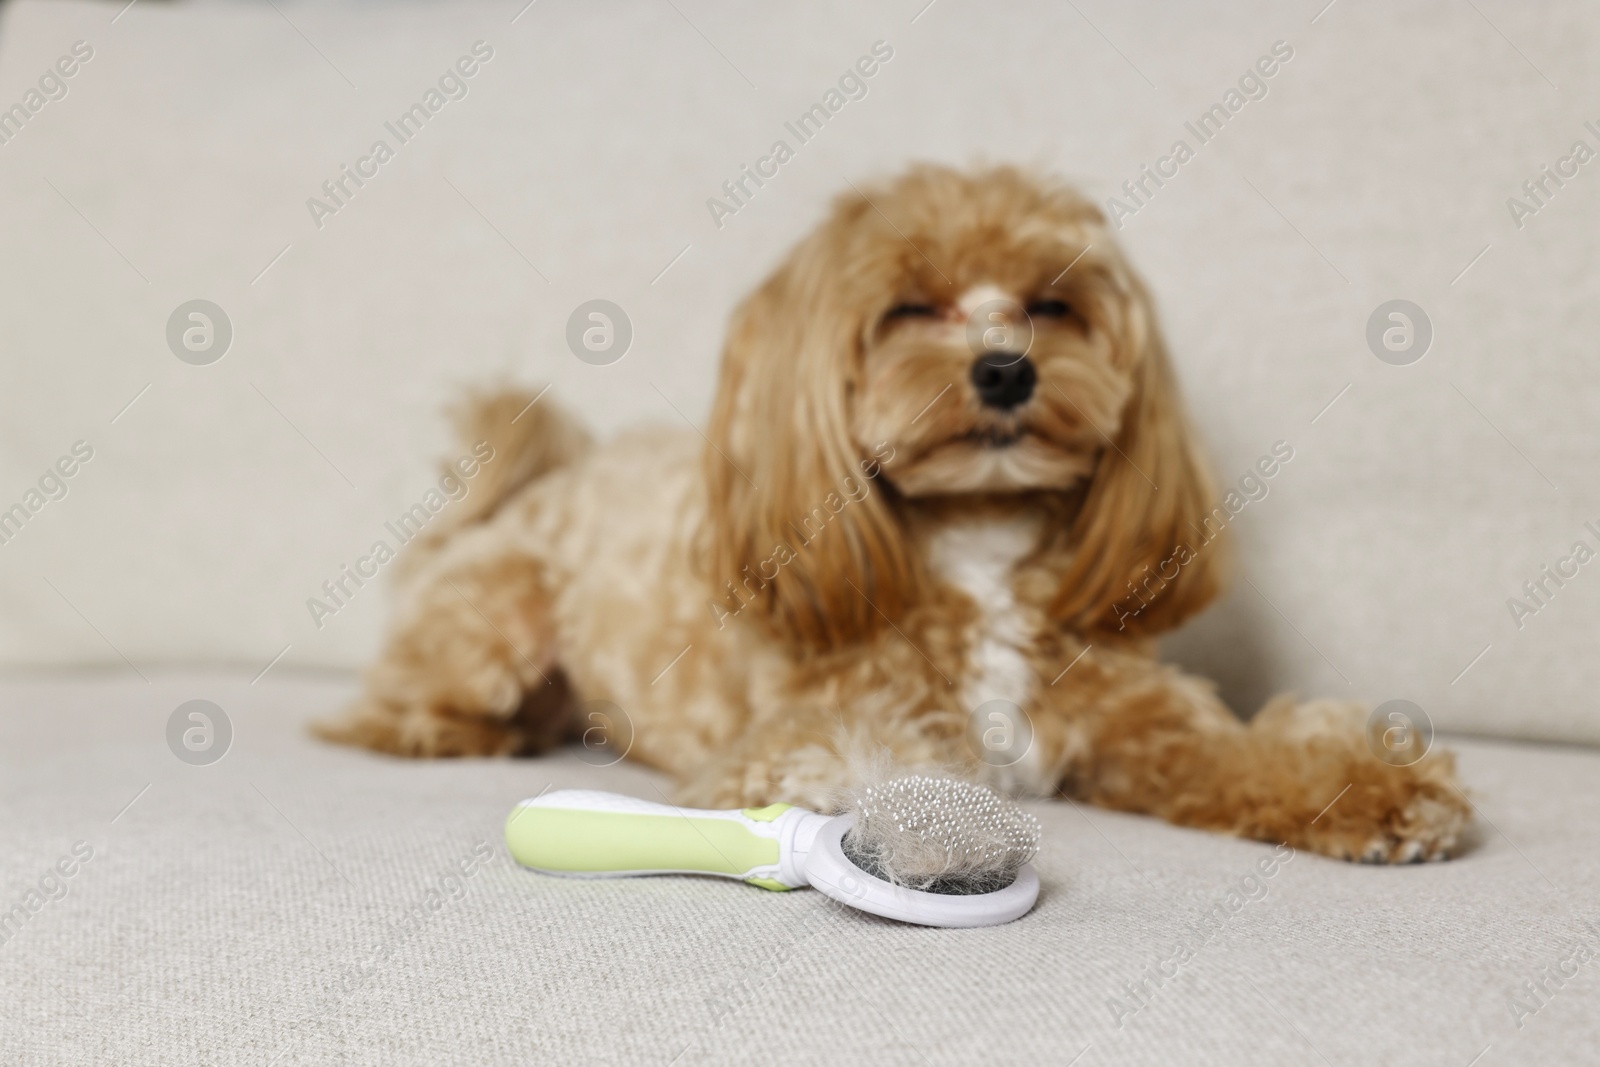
{"type": "Point", "coordinates": [939, 834]}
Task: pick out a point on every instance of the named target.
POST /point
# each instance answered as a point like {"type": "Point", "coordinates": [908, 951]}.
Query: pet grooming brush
{"type": "Point", "coordinates": [932, 851]}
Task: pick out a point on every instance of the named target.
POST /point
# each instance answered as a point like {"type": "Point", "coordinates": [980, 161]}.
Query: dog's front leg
{"type": "Point", "coordinates": [810, 754]}
{"type": "Point", "coordinates": [1161, 743]}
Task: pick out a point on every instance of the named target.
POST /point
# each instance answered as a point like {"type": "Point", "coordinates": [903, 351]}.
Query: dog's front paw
{"type": "Point", "coordinates": [1394, 815]}
{"type": "Point", "coordinates": [726, 791]}
{"type": "Point", "coordinates": [808, 777]}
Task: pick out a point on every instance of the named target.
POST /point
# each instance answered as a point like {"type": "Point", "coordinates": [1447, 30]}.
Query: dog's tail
{"type": "Point", "coordinates": [513, 437]}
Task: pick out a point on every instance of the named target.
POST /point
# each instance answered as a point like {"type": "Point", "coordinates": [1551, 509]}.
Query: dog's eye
{"type": "Point", "coordinates": [910, 311]}
{"type": "Point", "coordinates": [1049, 309]}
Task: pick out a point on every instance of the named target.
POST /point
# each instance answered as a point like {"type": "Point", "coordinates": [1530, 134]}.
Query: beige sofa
{"type": "Point", "coordinates": [295, 903]}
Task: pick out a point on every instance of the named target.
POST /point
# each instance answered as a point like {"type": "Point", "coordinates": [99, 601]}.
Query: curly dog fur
{"type": "Point", "coordinates": [881, 545]}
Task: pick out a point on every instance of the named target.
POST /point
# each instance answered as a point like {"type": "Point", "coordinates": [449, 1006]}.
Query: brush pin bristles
{"type": "Point", "coordinates": [940, 835]}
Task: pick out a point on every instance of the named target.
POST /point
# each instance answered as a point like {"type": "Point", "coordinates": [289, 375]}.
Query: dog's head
{"type": "Point", "coordinates": [950, 334]}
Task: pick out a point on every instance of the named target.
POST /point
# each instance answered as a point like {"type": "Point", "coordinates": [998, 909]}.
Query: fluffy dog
{"type": "Point", "coordinates": [936, 513]}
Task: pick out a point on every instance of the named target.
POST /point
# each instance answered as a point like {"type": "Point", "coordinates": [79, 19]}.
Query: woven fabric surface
{"type": "Point", "coordinates": [295, 903]}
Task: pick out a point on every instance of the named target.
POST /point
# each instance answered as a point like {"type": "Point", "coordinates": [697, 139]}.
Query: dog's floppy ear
{"type": "Point", "coordinates": [802, 532]}
{"type": "Point", "coordinates": [1148, 552]}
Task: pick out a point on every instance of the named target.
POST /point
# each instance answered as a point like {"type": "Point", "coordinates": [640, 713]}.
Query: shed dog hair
{"type": "Point", "coordinates": [947, 451]}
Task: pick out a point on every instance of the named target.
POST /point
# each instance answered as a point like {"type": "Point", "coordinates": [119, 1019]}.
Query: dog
{"type": "Point", "coordinates": [947, 499]}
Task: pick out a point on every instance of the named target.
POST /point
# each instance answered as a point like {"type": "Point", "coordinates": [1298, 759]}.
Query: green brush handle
{"type": "Point", "coordinates": [588, 833]}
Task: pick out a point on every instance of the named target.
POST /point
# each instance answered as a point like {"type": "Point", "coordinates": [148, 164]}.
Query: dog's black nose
{"type": "Point", "coordinates": [1003, 379]}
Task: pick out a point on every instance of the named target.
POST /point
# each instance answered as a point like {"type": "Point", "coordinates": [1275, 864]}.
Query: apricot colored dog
{"type": "Point", "coordinates": [947, 499]}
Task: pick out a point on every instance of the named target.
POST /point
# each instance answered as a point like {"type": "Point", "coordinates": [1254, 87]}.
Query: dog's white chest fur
{"type": "Point", "coordinates": [978, 556]}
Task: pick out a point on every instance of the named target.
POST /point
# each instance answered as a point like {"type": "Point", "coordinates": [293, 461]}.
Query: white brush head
{"type": "Point", "coordinates": [939, 835]}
